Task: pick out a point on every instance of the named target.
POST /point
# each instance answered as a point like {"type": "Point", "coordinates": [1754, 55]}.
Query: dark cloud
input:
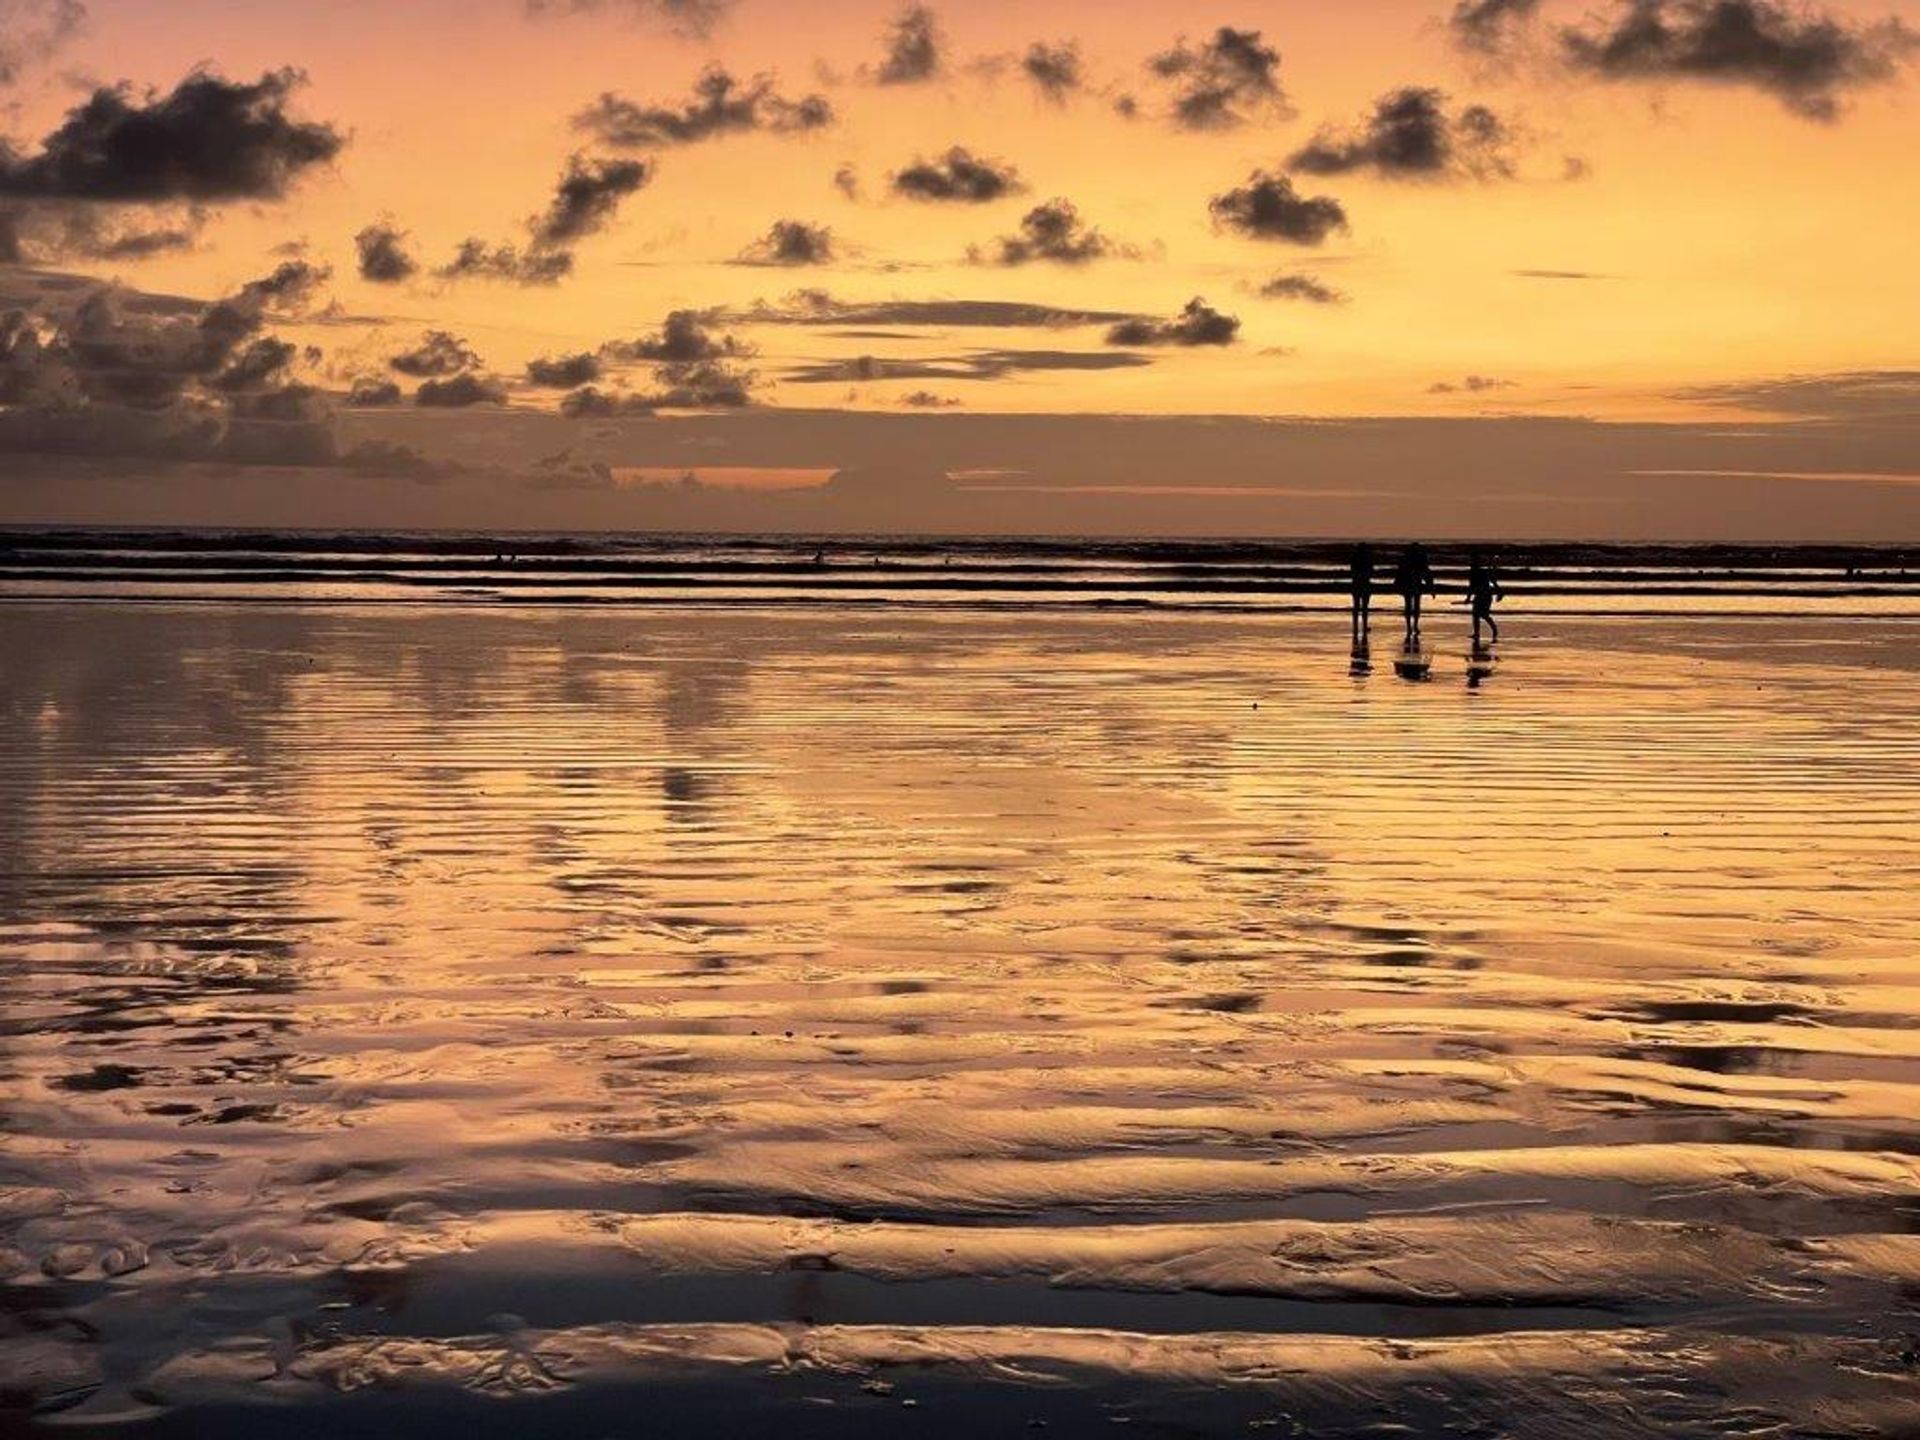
{"type": "Point", "coordinates": [209, 139]}
{"type": "Point", "coordinates": [685, 336]}
{"type": "Point", "coordinates": [958, 175]}
{"type": "Point", "coordinates": [51, 230]}
{"type": "Point", "coordinates": [847, 181]}
{"type": "Point", "coordinates": [32, 30]}
{"type": "Point", "coordinates": [289, 289]}
{"type": "Point", "coordinates": [691, 18]}
{"type": "Point", "coordinates": [927, 400]}
{"type": "Point", "coordinates": [159, 379]}
{"type": "Point", "coordinates": [261, 363]}
{"type": "Point", "coordinates": [1803, 57]}
{"type": "Point", "coordinates": [1471, 385]}
{"type": "Point", "coordinates": [1198, 323]}
{"type": "Point", "coordinates": [1410, 135]}
{"type": "Point", "coordinates": [475, 259]}
{"type": "Point", "coordinates": [401, 462]}
{"type": "Point", "coordinates": [693, 367]}
{"type": "Point", "coordinates": [678, 385]}
{"type": "Point", "coordinates": [790, 242]}
{"type": "Point", "coordinates": [439, 353]}
{"type": "Point", "coordinates": [1268, 208]}
{"type": "Point", "coordinates": [1488, 27]}
{"type": "Point", "coordinates": [1885, 396]}
{"type": "Point", "coordinates": [370, 393]}
{"type": "Point", "coordinates": [1221, 82]}
{"type": "Point", "coordinates": [585, 200]}
{"type": "Point", "coordinates": [973, 365]}
{"type": "Point", "coordinates": [1300, 287]}
{"type": "Point", "coordinates": [1055, 70]}
{"type": "Point", "coordinates": [456, 392]}
{"type": "Point", "coordinates": [1053, 231]}
{"type": "Point", "coordinates": [591, 403]}
{"type": "Point", "coordinates": [913, 48]}
{"type": "Point", "coordinates": [384, 259]}
{"type": "Point", "coordinates": [817, 307]}
{"type": "Point", "coordinates": [701, 385]}
{"type": "Point", "coordinates": [564, 372]}
{"type": "Point", "coordinates": [721, 105]}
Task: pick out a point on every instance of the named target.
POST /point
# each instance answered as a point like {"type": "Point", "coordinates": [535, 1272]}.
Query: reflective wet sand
{"type": "Point", "coordinates": [504, 1021]}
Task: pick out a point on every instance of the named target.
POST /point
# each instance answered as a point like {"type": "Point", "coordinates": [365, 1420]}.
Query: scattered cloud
{"type": "Point", "coordinates": [1806, 58]}
{"type": "Point", "coordinates": [693, 369]}
{"type": "Point", "coordinates": [1857, 395]}
{"type": "Point", "coordinates": [32, 31]}
{"type": "Point", "coordinates": [438, 353]}
{"type": "Point", "coordinates": [973, 365]}
{"type": "Point", "coordinates": [1471, 385]}
{"type": "Point", "coordinates": [1489, 27]}
{"type": "Point", "coordinates": [1410, 135]}
{"type": "Point", "coordinates": [123, 374]}
{"type": "Point", "coordinates": [846, 180]}
{"type": "Point", "coordinates": [1300, 287]}
{"type": "Point", "coordinates": [1198, 323]}
{"type": "Point", "coordinates": [1226, 80]}
{"type": "Point", "coordinates": [790, 242]}
{"type": "Point", "coordinates": [685, 335]}
{"type": "Point", "coordinates": [564, 372]}
{"type": "Point", "coordinates": [473, 258]}
{"type": "Point", "coordinates": [209, 139]}
{"type": "Point", "coordinates": [290, 288]}
{"type": "Point", "coordinates": [383, 255]}
{"type": "Point", "coordinates": [456, 392]}
{"type": "Point", "coordinates": [693, 19]}
{"type": "Point", "coordinates": [585, 200]}
{"type": "Point", "coordinates": [958, 175]}
{"type": "Point", "coordinates": [913, 48]}
{"type": "Point", "coordinates": [722, 104]}
{"type": "Point", "coordinates": [928, 400]}
{"type": "Point", "coordinates": [372, 393]}
{"type": "Point", "coordinates": [51, 230]}
{"type": "Point", "coordinates": [1055, 70]}
{"type": "Point", "coordinates": [1054, 232]}
{"type": "Point", "coordinates": [818, 307]}
{"type": "Point", "coordinates": [1268, 208]}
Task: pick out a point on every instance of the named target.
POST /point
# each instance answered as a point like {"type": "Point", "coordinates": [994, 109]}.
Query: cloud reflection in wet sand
{"type": "Point", "coordinates": [791, 1016]}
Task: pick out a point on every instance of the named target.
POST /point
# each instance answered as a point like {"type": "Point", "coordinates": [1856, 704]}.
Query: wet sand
{"type": "Point", "coordinates": [856, 1021]}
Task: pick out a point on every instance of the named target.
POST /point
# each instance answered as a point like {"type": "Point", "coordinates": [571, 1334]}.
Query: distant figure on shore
{"type": "Point", "coordinates": [1413, 577]}
{"type": "Point", "coordinates": [1483, 588]}
{"type": "Point", "coordinates": [1360, 578]}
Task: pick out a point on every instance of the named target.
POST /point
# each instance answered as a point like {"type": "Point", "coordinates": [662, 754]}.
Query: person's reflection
{"type": "Point", "coordinates": [1361, 662]}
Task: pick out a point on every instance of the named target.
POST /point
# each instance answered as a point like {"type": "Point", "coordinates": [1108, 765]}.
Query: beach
{"type": "Point", "coordinates": [885, 1018]}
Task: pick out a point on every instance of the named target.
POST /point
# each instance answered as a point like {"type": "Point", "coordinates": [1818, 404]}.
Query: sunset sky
{"type": "Point", "coordinates": [1670, 235]}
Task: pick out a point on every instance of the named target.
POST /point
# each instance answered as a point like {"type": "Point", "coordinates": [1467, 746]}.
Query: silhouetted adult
{"type": "Point", "coordinates": [1413, 578]}
{"type": "Point", "coordinates": [1483, 588]}
{"type": "Point", "coordinates": [1360, 579]}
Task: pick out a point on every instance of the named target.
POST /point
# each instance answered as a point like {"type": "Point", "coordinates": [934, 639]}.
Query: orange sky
{"type": "Point", "coordinates": [1717, 235]}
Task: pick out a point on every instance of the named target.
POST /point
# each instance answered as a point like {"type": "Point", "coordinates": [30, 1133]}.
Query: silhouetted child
{"type": "Point", "coordinates": [1483, 588]}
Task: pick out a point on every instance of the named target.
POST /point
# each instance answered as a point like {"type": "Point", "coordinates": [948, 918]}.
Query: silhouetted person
{"type": "Point", "coordinates": [1483, 588]}
{"type": "Point", "coordinates": [1360, 579]}
{"type": "Point", "coordinates": [1413, 577]}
